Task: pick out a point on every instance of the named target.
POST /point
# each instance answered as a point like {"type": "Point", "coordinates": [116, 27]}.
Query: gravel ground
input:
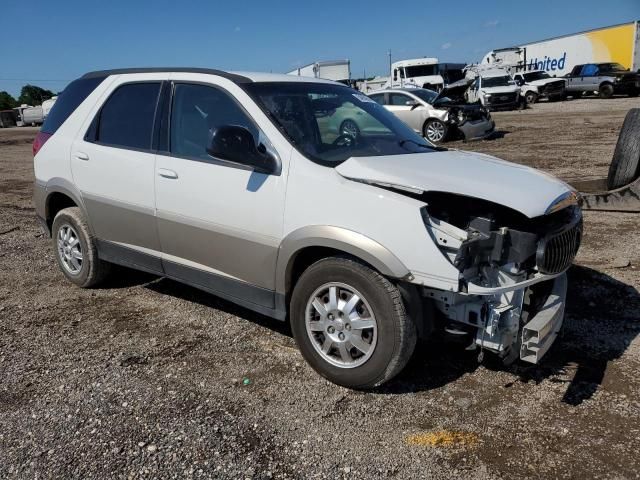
{"type": "Point", "coordinates": [144, 378]}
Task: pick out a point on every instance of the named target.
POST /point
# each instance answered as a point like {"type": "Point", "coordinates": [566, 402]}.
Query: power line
{"type": "Point", "coordinates": [33, 80]}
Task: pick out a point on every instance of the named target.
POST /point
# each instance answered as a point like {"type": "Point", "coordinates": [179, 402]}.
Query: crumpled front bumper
{"type": "Point", "coordinates": [477, 129]}
{"type": "Point", "coordinates": [541, 331]}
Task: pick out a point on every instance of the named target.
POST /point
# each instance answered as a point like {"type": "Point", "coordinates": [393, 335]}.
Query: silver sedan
{"type": "Point", "coordinates": [437, 123]}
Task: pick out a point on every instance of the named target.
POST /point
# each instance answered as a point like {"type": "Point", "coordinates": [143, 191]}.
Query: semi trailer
{"type": "Point", "coordinates": [559, 55]}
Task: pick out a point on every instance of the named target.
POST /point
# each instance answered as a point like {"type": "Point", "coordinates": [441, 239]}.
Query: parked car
{"type": "Point", "coordinates": [235, 184]}
{"type": "Point", "coordinates": [607, 79]}
{"type": "Point", "coordinates": [495, 89]}
{"type": "Point", "coordinates": [435, 116]}
{"type": "Point", "coordinates": [7, 118]}
{"type": "Point", "coordinates": [538, 84]}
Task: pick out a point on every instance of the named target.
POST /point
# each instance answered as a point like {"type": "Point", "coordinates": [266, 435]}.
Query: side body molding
{"type": "Point", "coordinates": [338, 238]}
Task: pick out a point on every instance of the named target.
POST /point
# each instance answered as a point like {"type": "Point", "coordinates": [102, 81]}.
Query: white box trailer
{"type": "Point", "coordinates": [558, 55]}
{"type": "Point", "coordinates": [338, 70]}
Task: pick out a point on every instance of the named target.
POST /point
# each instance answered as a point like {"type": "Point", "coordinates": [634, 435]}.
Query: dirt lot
{"type": "Point", "coordinates": [143, 378]}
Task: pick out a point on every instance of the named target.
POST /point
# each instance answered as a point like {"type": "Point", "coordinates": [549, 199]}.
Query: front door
{"type": "Point", "coordinates": [404, 107]}
{"type": "Point", "coordinates": [220, 223]}
{"type": "Point", "coordinates": [113, 166]}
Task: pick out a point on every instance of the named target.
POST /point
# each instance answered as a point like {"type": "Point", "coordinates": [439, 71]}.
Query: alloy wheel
{"type": "Point", "coordinates": [70, 249]}
{"type": "Point", "coordinates": [341, 325]}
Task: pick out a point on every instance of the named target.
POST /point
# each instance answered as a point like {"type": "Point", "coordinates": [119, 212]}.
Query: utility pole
{"type": "Point", "coordinates": [389, 53]}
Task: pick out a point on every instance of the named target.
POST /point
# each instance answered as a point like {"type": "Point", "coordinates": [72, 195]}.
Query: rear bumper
{"type": "Point", "coordinates": [477, 129]}
{"type": "Point", "coordinates": [541, 331]}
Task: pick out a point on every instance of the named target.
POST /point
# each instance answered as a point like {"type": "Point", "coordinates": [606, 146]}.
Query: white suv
{"type": "Point", "coordinates": [240, 184]}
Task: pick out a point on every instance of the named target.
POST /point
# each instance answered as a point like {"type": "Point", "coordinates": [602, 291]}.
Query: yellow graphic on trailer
{"type": "Point", "coordinates": [614, 44]}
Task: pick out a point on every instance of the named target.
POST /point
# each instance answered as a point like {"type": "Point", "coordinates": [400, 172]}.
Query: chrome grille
{"type": "Point", "coordinates": [556, 252]}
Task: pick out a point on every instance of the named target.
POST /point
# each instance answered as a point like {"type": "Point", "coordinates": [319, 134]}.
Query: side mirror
{"type": "Point", "coordinates": [236, 144]}
{"type": "Point", "coordinates": [412, 103]}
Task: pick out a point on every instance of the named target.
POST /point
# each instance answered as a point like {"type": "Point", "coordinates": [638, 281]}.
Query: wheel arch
{"type": "Point", "coordinates": [308, 244]}
{"type": "Point", "coordinates": [60, 194]}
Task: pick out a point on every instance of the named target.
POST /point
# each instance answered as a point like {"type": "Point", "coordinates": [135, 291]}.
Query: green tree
{"type": "Point", "coordinates": [34, 95]}
{"type": "Point", "coordinates": [7, 101]}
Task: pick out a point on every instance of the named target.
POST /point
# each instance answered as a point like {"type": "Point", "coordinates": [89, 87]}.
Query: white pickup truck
{"type": "Point", "coordinates": [538, 84]}
{"type": "Point", "coordinates": [494, 89]}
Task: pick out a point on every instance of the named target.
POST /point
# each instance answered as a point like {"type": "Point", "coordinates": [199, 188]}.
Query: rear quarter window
{"type": "Point", "coordinates": [72, 96]}
{"type": "Point", "coordinates": [126, 118]}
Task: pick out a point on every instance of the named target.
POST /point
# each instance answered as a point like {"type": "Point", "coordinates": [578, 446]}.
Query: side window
{"type": "Point", "coordinates": [378, 97]}
{"type": "Point", "coordinates": [576, 70]}
{"type": "Point", "coordinates": [126, 118]}
{"type": "Point", "coordinates": [476, 83]}
{"type": "Point", "coordinates": [398, 99]}
{"type": "Point", "coordinates": [589, 70]}
{"type": "Point", "coordinates": [196, 113]}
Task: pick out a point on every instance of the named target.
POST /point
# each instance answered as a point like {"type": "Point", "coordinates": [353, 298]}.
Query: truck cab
{"type": "Point", "coordinates": [426, 73]}
{"type": "Point", "coordinates": [494, 89]}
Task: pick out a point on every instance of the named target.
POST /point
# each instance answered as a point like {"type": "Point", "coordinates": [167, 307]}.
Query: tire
{"type": "Point", "coordinates": [349, 127]}
{"type": "Point", "coordinates": [435, 130]}
{"type": "Point", "coordinates": [390, 344]}
{"type": "Point", "coordinates": [530, 98]}
{"type": "Point", "coordinates": [88, 270]}
{"type": "Point", "coordinates": [605, 90]}
{"type": "Point", "coordinates": [625, 166]}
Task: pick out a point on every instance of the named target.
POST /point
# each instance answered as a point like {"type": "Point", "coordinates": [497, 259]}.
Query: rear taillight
{"type": "Point", "coordinates": [40, 140]}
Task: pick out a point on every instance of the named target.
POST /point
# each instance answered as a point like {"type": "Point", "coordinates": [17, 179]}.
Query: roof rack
{"type": "Point", "coordinates": [207, 71]}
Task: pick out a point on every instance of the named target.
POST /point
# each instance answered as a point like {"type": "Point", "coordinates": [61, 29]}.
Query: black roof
{"type": "Point", "coordinates": [208, 71]}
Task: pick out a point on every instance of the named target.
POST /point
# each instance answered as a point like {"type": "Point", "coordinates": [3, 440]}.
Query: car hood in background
{"type": "Point", "coordinates": [521, 188]}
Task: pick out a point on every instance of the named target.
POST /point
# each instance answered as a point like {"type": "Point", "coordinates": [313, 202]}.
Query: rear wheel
{"type": "Point", "coordinates": [350, 128]}
{"type": "Point", "coordinates": [435, 130]}
{"type": "Point", "coordinates": [605, 90]}
{"type": "Point", "coordinates": [625, 166]}
{"type": "Point", "coordinates": [75, 249]}
{"type": "Point", "coordinates": [350, 323]}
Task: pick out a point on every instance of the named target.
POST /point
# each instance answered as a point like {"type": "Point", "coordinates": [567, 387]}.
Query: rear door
{"type": "Point", "coordinates": [113, 165]}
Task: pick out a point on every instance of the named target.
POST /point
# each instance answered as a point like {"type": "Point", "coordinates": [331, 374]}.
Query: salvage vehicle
{"type": "Point", "coordinates": [607, 79]}
{"type": "Point", "coordinates": [539, 84]}
{"type": "Point", "coordinates": [435, 116]}
{"type": "Point", "coordinates": [495, 89]}
{"type": "Point", "coordinates": [233, 183]}
{"type": "Point", "coordinates": [427, 73]}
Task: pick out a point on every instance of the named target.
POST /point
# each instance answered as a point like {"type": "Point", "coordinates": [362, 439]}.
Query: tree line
{"type": "Point", "coordinates": [30, 95]}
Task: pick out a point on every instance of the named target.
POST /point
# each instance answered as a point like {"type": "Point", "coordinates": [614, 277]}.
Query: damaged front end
{"type": "Point", "coordinates": [512, 281]}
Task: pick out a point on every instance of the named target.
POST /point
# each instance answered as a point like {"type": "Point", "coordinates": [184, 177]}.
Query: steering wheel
{"type": "Point", "coordinates": [344, 140]}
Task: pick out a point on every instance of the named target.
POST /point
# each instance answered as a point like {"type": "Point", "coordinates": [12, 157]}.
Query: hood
{"type": "Point", "coordinates": [544, 81]}
{"type": "Point", "coordinates": [454, 90]}
{"type": "Point", "coordinates": [521, 188]}
{"type": "Point", "coordinates": [499, 90]}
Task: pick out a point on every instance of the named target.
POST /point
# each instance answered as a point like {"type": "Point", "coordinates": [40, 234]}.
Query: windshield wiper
{"type": "Point", "coordinates": [423, 145]}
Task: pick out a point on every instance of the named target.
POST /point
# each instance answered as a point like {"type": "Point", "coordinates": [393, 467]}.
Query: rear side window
{"type": "Point", "coordinates": [72, 96]}
{"type": "Point", "coordinates": [126, 118]}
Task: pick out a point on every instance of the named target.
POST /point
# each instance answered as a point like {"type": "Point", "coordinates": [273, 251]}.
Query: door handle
{"type": "Point", "coordinates": [82, 156]}
{"type": "Point", "coordinates": [166, 173]}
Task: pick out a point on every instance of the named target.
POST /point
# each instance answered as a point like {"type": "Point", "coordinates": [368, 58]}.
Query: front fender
{"type": "Point", "coordinates": [348, 241]}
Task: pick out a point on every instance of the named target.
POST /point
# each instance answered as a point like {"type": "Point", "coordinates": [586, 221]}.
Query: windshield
{"type": "Point", "coordinates": [421, 70]}
{"type": "Point", "coordinates": [427, 95]}
{"type": "Point", "coordinates": [610, 67]}
{"type": "Point", "coordinates": [331, 123]}
{"type": "Point", "coordinates": [504, 81]}
{"type": "Point", "coordinates": [533, 76]}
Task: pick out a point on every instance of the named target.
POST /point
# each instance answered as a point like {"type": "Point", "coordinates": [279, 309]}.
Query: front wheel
{"type": "Point", "coordinates": [530, 98]}
{"type": "Point", "coordinates": [435, 130]}
{"type": "Point", "coordinates": [350, 323]}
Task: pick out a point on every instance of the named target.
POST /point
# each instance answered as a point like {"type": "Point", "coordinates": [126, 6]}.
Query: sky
{"type": "Point", "coordinates": [50, 43]}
